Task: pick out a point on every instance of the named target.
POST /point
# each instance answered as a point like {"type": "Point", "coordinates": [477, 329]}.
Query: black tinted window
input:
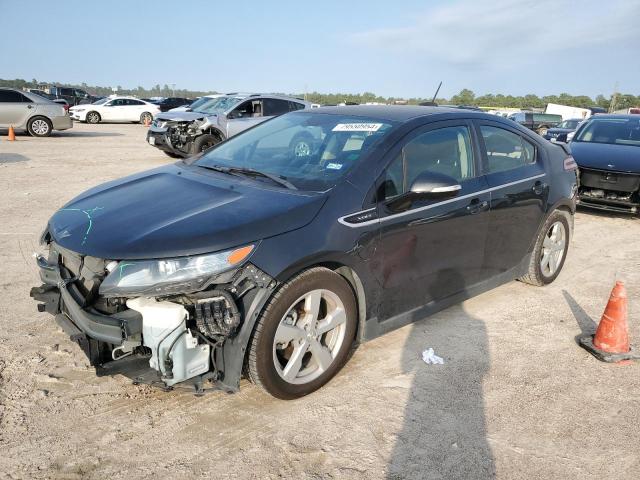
{"type": "Point", "coordinates": [293, 106]}
{"type": "Point", "coordinates": [273, 106]}
{"type": "Point", "coordinates": [134, 102]}
{"type": "Point", "coordinates": [506, 150]}
{"type": "Point", "coordinates": [66, 91]}
{"type": "Point", "coordinates": [8, 96]}
{"type": "Point", "coordinates": [445, 150]}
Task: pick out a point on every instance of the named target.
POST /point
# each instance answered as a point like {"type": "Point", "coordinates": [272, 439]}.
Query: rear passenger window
{"type": "Point", "coordinates": [273, 106]}
{"type": "Point", "coordinates": [293, 106]}
{"type": "Point", "coordinates": [445, 150]}
{"type": "Point", "coordinates": [506, 150]}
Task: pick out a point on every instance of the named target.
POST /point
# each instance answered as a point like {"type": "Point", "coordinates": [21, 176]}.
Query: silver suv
{"type": "Point", "coordinates": [180, 134]}
{"type": "Point", "coordinates": [31, 112]}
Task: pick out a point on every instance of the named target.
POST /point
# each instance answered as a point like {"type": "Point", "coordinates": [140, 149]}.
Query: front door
{"type": "Point", "coordinates": [515, 173]}
{"type": "Point", "coordinates": [431, 249]}
{"type": "Point", "coordinates": [244, 116]}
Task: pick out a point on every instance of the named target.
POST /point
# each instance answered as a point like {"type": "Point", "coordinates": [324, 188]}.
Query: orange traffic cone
{"type": "Point", "coordinates": [611, 341]}
{"type": "Point", "coordinates": [12, 135]}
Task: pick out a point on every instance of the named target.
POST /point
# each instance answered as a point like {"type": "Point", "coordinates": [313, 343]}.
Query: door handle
{"type": "Point", "coordinates": [476, 206]}
{"type": "Point", "coordinates": [538, 187]}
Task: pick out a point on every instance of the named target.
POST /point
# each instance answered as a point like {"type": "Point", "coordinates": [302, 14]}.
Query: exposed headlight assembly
{"type": "Point", "coordinates": [170, 276]}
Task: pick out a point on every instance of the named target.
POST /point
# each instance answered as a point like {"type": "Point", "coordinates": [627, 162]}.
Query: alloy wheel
{"type": "Point", "coordinates": [40, 127]}
{"type": "Point", "coordinates": [553, 248]}
{"type": "Point", "coordinates": [309, 336]}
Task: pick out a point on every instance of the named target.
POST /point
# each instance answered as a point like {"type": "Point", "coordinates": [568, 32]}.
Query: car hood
{"type": "Point", "coordinates": [619, 158]}
{"type": "Point", "coordinates": [184, 116]}
{"type": "Point", "coordinates": [177, 211]}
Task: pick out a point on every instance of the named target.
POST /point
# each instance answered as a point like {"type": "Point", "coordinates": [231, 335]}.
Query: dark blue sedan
{"type": "Point", "coordinates": [607, 151]}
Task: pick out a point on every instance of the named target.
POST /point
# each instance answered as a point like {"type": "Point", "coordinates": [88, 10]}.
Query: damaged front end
{"type": "Point", "coordinates": [186, 320]}
{"type": "Point", "coordinates": [185, 137]}
{"type": "Point", "coordinates": [609, 190]}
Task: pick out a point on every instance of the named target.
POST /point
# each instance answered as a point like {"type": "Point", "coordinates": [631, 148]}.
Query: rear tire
{"type": "Point", "coordinates": [550, 250]}
{"type": "Point", "coordinates": [39, 127]}
{"type": "Point", "coordinates": [312, 318]}
{"type": "Point", "coordinates": [92, 117]}
{"type": "Point", "coordinates": [204, 143]}
{"type": "Point", "coordinates": [542, 130]}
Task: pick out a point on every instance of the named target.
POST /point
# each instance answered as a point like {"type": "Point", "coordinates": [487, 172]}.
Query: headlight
{"type": "Point", "coordinates": [78, 109]}
{"type": "Point", "coordinates": [168, 276]}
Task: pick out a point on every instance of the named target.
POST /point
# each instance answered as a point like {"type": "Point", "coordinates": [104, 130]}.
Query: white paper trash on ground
{"type": "Point", "coordinates": [430, 358]}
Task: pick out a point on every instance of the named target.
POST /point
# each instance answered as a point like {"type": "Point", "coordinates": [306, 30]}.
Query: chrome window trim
{"type": "Point", "coordinates": [428, 207]}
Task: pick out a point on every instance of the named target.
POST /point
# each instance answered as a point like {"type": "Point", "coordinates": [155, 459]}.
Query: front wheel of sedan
{"type": "Point", "coordinates": [550, 250]}
{"type": "Point", "coordinates": [304, 335]}
{"type": "Point", "coordinates": [93, 117]}
{"type": "Point", "coordinates": [39, 127]}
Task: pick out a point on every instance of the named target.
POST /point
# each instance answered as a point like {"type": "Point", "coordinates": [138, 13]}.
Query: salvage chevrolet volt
{"type": "Point", "coordinates": [277, 251]}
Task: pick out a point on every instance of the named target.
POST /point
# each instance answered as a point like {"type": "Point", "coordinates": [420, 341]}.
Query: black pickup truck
{"type": "Point", "coordinates": [73, 96]}
{"type": "Point", "coordinates": [538, 122]}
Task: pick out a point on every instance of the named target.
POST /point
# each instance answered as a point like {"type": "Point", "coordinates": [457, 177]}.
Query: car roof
{"type": "Point", "coordinates": [400, 113]}
{"type": "Point", "coordinates": [610, 116]}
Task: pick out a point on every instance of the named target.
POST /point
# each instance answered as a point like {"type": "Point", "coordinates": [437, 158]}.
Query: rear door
{"type": "Point", "coordinates": [15, 108]}
{"type": "Point", "coordinates": [133, 109]}
{"type": "Point", "coordinates": [515, 172]}
{"type": "Point", "coordinates": [431, 249]}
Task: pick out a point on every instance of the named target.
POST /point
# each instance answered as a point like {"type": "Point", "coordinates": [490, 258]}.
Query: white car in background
{"type": "Point", "coordinates": [115, 109]}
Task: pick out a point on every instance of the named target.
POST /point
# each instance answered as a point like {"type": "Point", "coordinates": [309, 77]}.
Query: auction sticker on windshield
{"type": "Point", "coordinates": [357, 127]}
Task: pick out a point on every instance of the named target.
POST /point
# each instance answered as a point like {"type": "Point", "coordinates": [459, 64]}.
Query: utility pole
{"type": "Point", "coordinates": [614, 99]}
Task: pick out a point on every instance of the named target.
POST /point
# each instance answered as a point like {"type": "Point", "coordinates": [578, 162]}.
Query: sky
{"type": "Point", "coordinates": [401, 48]}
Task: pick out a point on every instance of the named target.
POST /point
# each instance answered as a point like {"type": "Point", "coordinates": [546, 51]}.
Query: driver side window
{"type": "Point", "coordinates": [248, 109]}
{"type": "Point", "coordinates": [446, 150]}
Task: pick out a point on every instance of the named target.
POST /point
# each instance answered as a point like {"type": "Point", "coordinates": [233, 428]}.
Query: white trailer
{"type": "Point", "coordinates": [568, 112]}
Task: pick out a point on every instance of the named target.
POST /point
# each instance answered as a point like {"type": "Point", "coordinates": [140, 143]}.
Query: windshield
{"type": "Point", "coordinates": [218, 105]}
{"type": "Point", "coordinates": [569, 124]}
{"type": "Point", "coordinates": [615, 131]}
{"type": "Point", "coordinates": [100, 102]}
{"type": "Point", "coordinates": [199, 102]}
{"type": "Point", "coordinates": [310, 151]}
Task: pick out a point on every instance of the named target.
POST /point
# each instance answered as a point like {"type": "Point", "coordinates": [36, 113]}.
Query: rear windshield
{"type": "Point", "coordinates": [614, 131]}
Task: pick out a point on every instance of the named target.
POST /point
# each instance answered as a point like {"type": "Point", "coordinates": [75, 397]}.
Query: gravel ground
{"type": "Point", "coordinates": [516, 397]}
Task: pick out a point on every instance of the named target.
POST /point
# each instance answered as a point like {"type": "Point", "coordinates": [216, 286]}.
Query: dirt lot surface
{"type": "Point", "coordinates": [516, 397]}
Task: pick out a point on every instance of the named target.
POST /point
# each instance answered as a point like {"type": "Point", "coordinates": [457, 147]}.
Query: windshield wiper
{"type": "Point", "coordinates": [250, 172]}
{"type": "Point", "coordinates": [280, 180]}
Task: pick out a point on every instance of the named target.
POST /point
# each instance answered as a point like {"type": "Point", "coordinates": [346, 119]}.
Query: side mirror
{"type": "Point", "coordinates": [434, 185]}
{"type": "Point", "coordinates": [426, 186]}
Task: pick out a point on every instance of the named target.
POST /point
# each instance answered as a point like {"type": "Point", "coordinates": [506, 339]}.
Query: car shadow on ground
{"type": "Point", "coordinates": [12, 158]}
{"type": "Point", "coordinates": [444, 433]}
{"type": "Point", "coordinates": [76, 134]}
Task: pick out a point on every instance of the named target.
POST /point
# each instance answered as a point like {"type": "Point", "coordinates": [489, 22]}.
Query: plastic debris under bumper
{"type": "Point", "coordinates": [57, 298]}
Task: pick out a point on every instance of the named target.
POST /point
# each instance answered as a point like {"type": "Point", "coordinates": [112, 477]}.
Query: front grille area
{"type": "Point", "coordinates": [609, 180]}
{"type": "Point", "coordinates": [90, 271]}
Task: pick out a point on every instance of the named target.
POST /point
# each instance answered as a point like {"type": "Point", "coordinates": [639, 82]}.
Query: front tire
{"type": "Point", "coordinates": [39, 127]}
{"type": "Point", "coordinates": [92, 117]}
{"type": "Point", "coordinates": [203, 143]}
{"type": "Point", "coordinates": [303, 337]}
{"type": "Point", "coordinates": [550, 250]}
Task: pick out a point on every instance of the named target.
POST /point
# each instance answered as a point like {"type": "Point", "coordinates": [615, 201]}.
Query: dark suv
{"type": "Point", "coordinates": [167, 104]}
{"type": "Point", "coordinates": [261, 258]}
{"type": "Point", "coordinates": [73, 96]}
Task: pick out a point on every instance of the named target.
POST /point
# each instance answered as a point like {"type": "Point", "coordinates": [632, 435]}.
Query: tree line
{"type": "Point", "coordinates": [464, 97]}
